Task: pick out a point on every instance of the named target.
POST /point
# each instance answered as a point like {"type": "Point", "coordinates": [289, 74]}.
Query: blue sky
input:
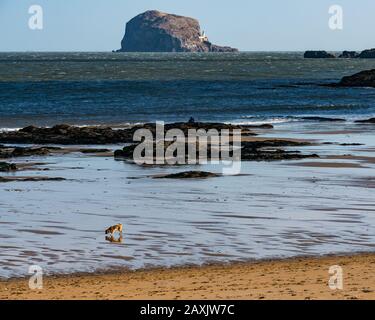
{"type": "Point", "coordinates": [250, 25]}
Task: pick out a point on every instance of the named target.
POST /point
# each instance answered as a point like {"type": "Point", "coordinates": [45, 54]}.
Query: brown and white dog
{"type": "Point", "coordinates": [113, 229]}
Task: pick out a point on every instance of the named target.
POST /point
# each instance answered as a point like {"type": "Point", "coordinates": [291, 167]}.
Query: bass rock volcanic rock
{"type": "Point", "coordinates": [155, 31]}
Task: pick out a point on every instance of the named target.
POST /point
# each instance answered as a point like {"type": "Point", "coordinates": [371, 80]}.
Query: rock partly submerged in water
{"type": "Point", "coordinates": [361, 79]}
{"type": "Point", "coordinates": [189, 175]}
{"type": "Point", "coordinates": [186, 126]}
{"type": "Point", "coordinates": [155, 31]}
{"type": "Point", "coordinates": [274, 155]}
{"type": "Point", "coordinates": [66, 135]}
{"type": "Point", "coordinates": [6, 167]}
{"type": "Point", "coordinates": [72, 135]}
{"type": "Point", "coordinates": [262, 150]}
{"type": "Point", "coordinates": [30, 179]}
{"type": "Point", "coordinates": [13, 152]}
{"type": "Point", "coordinates": [93, 150]}
{"type": "Point", "coordinates": [260, 126]}
{"type": "Point", "coordinates": [323, 119]}
{"type": "Point", "coordinates": [273, 143]}
{"type": "Point", "coordinates": [269, 150]}
{"type": "Point", "coordinates": [371, 120]}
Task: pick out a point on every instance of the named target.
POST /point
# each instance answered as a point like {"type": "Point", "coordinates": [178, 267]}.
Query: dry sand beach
{"type": "Point", "coordinates": [294, 279]}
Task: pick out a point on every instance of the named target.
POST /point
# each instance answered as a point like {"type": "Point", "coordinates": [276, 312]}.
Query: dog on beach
{"type": "Point", "coordinates": [113, 229]}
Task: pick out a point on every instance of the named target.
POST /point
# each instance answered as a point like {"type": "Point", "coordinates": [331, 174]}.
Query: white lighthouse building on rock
{"type": "Point", "coordinates": [203, 37]}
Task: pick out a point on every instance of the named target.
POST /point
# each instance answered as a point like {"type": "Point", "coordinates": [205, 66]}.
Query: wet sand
{"type": "Point", "coordinates": [299, 278]}
{"type": "Point", "coordinates": [336, 165]}
{"type": "Point", "coordinates": [337, 132]}
{"type": "Point", "coordinates": [369, 160]}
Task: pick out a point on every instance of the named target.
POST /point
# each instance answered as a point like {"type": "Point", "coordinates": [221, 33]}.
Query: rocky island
{"type": "Point", "coordinates": [155, 31]}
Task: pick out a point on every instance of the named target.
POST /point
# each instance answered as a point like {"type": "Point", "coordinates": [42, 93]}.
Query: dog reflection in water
{"type": "Point", "coordinates": [111, 231]}
{"type": "Point", "coordinates": [113, 239]}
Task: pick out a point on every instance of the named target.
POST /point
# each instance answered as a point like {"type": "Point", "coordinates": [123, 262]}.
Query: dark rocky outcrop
{"type": "Point", "coordinates": [186, 126]}
{"type": "Point", "coordinates": [13, 152]}
{"type": "Point", "coordinates": [262, 150]}
{"type": "Point", "coordinates": [189, 175]}
{"type": "Point", "coordinates": [360, 79]}
{"type": "Point", "coordinates": [155, 31]}
{"type": "Point", "coordinates": [90, 151]}
{"type": "Point", "coordinates": [269, 150]}
{"type": "Point", "coordinates": [371, 120]}
{"type": "Point", "coordinates": [6, 167]}
{"type": "Point", "coordinates": [367, 54]}
{"type": "Point", "coordinates": [260, 126]}
{"type": "Point", "coordinates": [349, 55]}
{"type": "Point", "coordinates": [323, 119]}
{"type": "Point", "coordinates": [126, 152]}
{"type": "Point", "coordinates": [66, 135]}
{"type": "Point", "coordinates": [273, 155]}
{"type": "Point", "coordinates": [72, 135]}
{"type": "Point", "coordinates": [318, 54]}
{"type": "Point", "coordinates": [273, 143]}
{"type": "Point", "coordinates": [29, 179]}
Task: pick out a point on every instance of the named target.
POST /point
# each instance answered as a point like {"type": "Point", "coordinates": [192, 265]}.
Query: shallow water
{"type": "Point", "coordinates": [272, 210]}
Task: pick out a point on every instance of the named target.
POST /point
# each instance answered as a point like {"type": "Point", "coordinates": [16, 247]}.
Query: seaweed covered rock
{"type": "Point", "coordinates": [72, 135]}
{"type": "Point", "coordinates": [262, 150]}
{"type": "Point", "coordinates": [6, 167]}
{"type": "Point", "coordinates": [13, 152]}
{"type": "Point", "coordinates": [189, 175]}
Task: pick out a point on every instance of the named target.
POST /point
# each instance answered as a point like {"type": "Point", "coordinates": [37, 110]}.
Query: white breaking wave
{"type": "Point", "coordinates": [261, 121]}
{"type": "Point", "coordinates": [9, 129]}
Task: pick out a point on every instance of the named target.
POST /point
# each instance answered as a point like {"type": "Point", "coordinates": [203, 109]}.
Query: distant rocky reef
{"type": "Point", "coordinates": [321, 54]}
{"type": "Point", "coordinates": [318, 54]}
{"type": "Point", "coordinates": [155, 31]}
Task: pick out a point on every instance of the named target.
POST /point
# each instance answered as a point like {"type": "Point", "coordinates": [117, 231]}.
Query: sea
{"type": "Point", "coordinates": [121, 88]}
